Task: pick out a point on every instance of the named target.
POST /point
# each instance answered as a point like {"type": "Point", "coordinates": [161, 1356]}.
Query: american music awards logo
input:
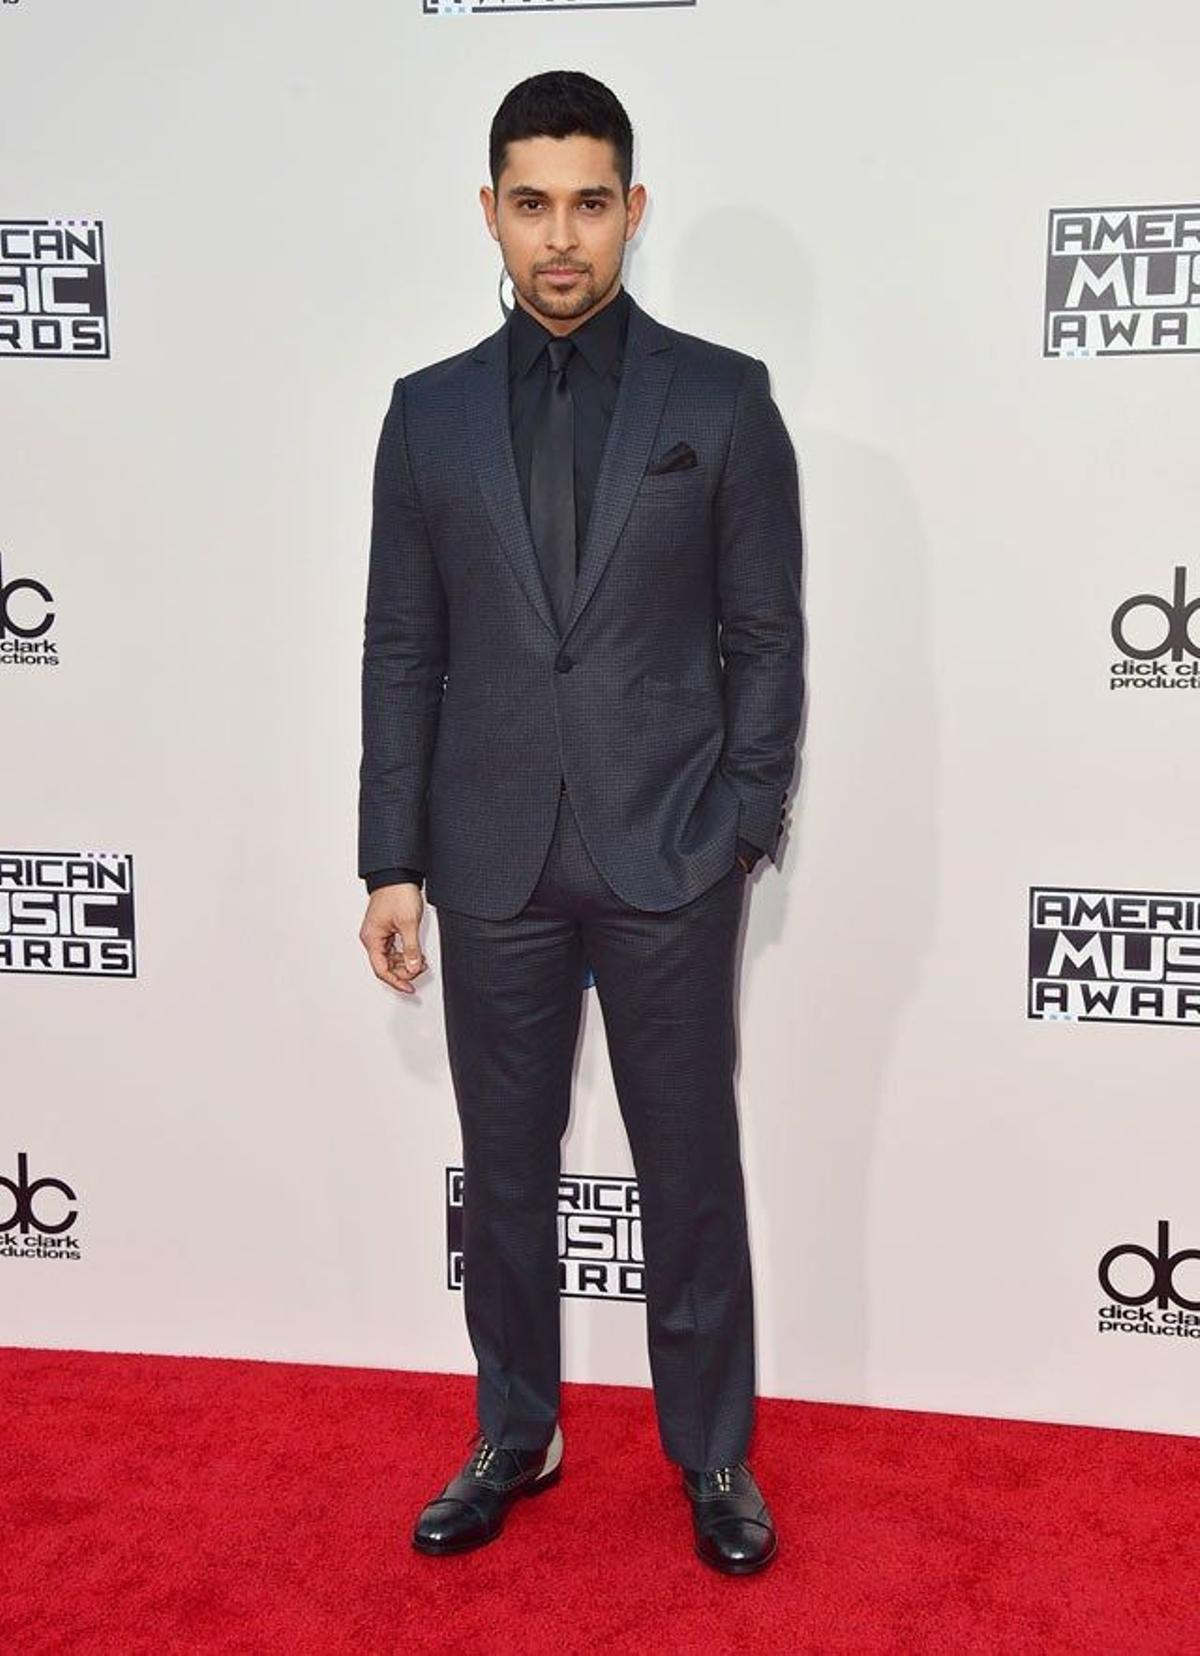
{"type": "Point", "coordinates": [1159, 639]}
{"type": "Point", "coordinates": [464, 8]}
{"type": "Point", "coordinates": [37, 1216]}
{"type": "Point", "coordinates": [1148, 1291]}
{"type": "Point", "coordinates": [599, 1236]}
{"type": "Point", "coordinates": [1123, 281]}
{"type": "Point", "coordinates": [53, 288]}
{"type": "Point", "coordinates": [1099, 956]}
{"type": "Point", "coordinates": [67, 913]}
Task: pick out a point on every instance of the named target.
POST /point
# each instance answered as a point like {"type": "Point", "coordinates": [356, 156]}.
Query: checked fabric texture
{"type": "Point", "coordinates": [670, 696]}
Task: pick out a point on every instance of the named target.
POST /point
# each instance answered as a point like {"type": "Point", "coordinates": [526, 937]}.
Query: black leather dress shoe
{"type": "Point", "coordinates": [472, 1508]}
{"type": "Point", "coordinates": [734, 1529]}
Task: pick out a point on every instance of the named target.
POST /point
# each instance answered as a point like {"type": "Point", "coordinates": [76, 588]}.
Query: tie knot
{"type": "Point", "coordinates": [560, 350]}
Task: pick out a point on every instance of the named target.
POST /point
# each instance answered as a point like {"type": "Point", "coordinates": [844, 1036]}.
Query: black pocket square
{"type": "Point", "coordinates": [677, 458]}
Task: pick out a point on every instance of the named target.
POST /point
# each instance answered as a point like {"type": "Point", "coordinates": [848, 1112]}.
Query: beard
{"type": "Point", "coordinates": [561, 304]}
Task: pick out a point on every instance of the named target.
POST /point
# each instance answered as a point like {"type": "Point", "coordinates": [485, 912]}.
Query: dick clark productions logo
{"type": "Point", "coordinates": [40, 1221]}
{"type": "Point", "coordinates": [1149, 1302]}
{"type": "Point", "coordinates": [1159, 640]}
{"type": "Point", "coordinates": [26, 617]}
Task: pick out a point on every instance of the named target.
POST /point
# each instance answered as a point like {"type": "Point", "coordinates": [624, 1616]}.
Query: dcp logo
{"type": "Point", "coordinates": [8, 624]}
{"type": "Point", "coordinates": [1177, 612]}
{"type": "Point", "coordinates": [25, 1216]}
{"type": "Point", "coordinates": [1162, 1265]}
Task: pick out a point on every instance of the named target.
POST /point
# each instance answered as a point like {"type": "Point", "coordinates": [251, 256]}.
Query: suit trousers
{"type": "Point", "coordinates": [512, 993]}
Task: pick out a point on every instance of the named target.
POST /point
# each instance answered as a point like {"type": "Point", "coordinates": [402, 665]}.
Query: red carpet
{"type": "Point", "coordinates": [165, 1505]}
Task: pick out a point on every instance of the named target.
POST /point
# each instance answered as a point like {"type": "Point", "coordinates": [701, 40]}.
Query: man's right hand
{"type": "Point", "coordinates": [390, 933]}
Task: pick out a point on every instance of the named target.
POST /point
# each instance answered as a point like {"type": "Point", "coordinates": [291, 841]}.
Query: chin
{"type": "Point", "coordinates": [562, 304]}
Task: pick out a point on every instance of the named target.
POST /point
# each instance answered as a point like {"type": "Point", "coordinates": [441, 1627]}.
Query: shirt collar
{"type": "Point", "coordinates": [600, 340]}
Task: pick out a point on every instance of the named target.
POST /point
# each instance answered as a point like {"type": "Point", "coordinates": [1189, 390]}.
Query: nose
{"type": "Point", "coordinates": [560, 234]}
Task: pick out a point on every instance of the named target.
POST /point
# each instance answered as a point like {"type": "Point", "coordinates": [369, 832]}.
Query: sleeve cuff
{"type": "Point", "coordinates": [392, 876]}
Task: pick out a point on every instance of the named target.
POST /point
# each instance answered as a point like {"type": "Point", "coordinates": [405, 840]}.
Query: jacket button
{"type": "Point", "coordinates": [564, 664]}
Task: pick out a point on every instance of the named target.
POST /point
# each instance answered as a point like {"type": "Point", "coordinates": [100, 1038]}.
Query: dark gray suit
{"type": "Point", "coordinates": [668, 709]}
{"type": "Point", "coordinates": [667, 756]}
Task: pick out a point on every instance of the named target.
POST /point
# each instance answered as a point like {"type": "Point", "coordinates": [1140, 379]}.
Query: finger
{"type": "Point", "coordinates": [406, 964]}
{"type": "Point", "coordinates": [384, 964]}
{"type": "Point", "coordinates": [410, 949]}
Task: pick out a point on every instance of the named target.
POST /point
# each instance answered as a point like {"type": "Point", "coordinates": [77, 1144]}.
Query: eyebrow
{"type": "Point", "coordinates": [602, 190]}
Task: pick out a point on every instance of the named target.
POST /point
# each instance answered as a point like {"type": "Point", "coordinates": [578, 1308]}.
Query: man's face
{"type": "Point", "coordinates": [562, 225]}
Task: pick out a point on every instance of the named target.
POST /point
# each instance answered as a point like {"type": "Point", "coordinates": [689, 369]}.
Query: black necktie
{"type": "Point", "coordinates": [552, 481]}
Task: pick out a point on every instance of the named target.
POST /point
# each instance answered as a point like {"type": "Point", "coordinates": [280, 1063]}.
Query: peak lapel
{"type": "Point", "coordinates": [487, 421]}
{"type": "Point", "coordinates": [645, 375]}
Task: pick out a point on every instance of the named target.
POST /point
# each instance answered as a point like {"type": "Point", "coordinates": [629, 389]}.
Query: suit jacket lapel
{"type": "Point", "coordinates": [645, 376]}
{"type": "Point", "coordinates": [491, 449]}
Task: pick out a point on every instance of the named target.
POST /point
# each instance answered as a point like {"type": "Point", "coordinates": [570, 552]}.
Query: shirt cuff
{"type": "Point", "coordinates": [392, 876]}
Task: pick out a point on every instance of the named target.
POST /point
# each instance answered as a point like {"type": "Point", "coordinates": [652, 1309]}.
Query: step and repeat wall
{"type": "Point", "coordinates": [968, 248]}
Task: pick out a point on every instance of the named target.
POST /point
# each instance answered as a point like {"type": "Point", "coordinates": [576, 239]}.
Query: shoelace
{"type": "Point", "coordinates": [722, 1476]}
{"type": "Point", "coordinates": [483, 1456]}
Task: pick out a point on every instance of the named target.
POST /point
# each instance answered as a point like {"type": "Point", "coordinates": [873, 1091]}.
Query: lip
{"type": "Point", "coordinates": [561, 275]}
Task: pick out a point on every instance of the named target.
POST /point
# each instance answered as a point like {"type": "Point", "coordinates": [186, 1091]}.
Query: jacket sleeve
{"type": "Point", "coordinates": [759, 562]}
{"type": "Point", "coordinates": [405, 631]}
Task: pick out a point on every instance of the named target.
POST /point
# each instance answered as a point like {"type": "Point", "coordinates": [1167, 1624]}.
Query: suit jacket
{"type": "Point", "coordinates": [671, 700]}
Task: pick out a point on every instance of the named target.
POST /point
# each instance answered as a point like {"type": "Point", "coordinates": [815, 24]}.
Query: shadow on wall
{"type": "Point", "coordinates": [847, 921]}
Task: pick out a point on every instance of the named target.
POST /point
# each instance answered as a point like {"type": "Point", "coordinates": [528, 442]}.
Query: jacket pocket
{"type": "Point", "coordinates": [680, 481]}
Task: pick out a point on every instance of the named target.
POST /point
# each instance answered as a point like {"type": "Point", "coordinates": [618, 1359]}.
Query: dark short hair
{"type": "Point", "coordinates": [557, 104]}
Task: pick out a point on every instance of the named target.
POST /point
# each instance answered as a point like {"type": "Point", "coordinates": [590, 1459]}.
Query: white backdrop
{"type": "Point", "coordinates": [254, 1129]}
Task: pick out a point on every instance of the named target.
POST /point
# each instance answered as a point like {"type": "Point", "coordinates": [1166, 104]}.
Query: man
{"type": "Point", "coordinates": [582, 687]}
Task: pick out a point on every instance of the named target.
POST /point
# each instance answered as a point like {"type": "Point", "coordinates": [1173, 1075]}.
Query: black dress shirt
{"type": "Point", "coordinates": [594, 377]}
